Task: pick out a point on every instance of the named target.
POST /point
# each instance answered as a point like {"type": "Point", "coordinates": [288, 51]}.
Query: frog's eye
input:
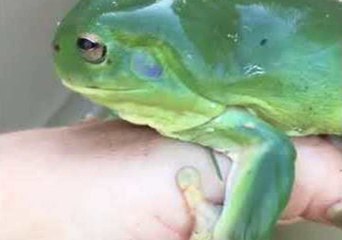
{"type": "Point", "coordinates": [91, 49]}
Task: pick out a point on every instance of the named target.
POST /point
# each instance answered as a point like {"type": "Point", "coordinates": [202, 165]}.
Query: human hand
{"type": "Point", "coordinates": [118, 181]}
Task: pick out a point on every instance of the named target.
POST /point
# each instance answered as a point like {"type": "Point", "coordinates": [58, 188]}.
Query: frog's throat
{"type": "Point", "coordinates": [175, 115]}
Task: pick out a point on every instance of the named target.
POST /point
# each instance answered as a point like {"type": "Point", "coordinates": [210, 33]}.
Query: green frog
{"type": "Point", "coordinates": [238, 76]}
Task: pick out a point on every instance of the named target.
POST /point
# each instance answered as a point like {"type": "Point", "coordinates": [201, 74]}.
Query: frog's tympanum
{"type": "Point", "coordinates": [238, 76]}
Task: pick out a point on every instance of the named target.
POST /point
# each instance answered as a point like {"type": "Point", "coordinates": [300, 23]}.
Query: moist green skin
{"type": "Point", "coordinates": [235, 75]}
{"type": "Point", "coordinates": [211, 55]}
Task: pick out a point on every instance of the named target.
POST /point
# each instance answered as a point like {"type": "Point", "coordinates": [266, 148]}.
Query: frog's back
{"type": "Point", "coordinates": [280, 59]}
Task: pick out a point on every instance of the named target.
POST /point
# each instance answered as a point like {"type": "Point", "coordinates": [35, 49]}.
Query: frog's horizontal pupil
{"type": "Point", "coordinates": [86, 44]}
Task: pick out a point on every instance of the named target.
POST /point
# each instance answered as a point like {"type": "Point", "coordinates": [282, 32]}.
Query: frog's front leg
{"type": "Point", "coordinates": [261, 179]}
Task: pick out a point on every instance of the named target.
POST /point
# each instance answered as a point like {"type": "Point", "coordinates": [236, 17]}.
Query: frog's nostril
{"type": "Point", "coordinates": [56, 47]}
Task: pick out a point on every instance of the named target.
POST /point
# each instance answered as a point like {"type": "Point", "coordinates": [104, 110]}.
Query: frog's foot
{"type": "Point", "coordinates": [257, 190]}
{"type": "Point", "coordinates": [260, 180]}
{"type": "Point", "coordinates": [205, 214]}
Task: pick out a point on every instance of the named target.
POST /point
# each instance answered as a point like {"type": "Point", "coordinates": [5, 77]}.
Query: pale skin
{"type": "Point", "coordinates": [118, 181]}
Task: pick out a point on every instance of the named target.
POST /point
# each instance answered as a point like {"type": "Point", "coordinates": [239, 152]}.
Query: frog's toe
{"type": "Point", "coordinates": [204, 213]}
{"type": "Point", "coordinates": [188, 177]}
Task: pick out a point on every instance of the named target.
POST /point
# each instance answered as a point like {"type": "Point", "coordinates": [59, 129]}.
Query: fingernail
{"type": "Point", "coordinates": [335, 214]}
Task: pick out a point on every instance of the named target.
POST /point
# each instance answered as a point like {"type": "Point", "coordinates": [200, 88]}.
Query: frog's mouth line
{"type": "Point", "coordinates": [92, 90]}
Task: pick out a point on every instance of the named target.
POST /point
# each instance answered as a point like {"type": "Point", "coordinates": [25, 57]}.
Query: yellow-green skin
{"type": "Point", "coordinates": [239, 76]}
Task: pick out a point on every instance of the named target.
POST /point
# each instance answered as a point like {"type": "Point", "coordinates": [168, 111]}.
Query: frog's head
{"type": "Point", "coordinates": [117, 54]}
{"type": "Point", "coordinates": [92, 50]}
